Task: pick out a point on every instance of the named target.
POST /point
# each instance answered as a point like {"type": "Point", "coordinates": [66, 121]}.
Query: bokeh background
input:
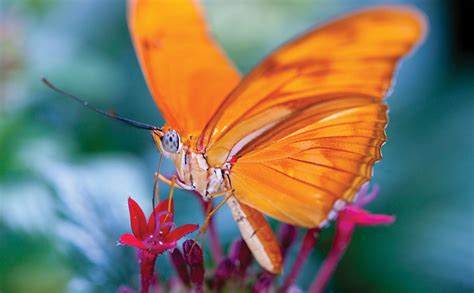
{"type": "Point", "coordinates": [66, 173]}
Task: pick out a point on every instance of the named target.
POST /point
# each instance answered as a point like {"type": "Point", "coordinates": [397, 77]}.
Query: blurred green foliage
{"type": "Point", "coordinates": [61, 167]}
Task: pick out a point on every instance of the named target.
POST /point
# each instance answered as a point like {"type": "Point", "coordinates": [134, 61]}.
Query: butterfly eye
{"type": "Point", "coordinates": [170, 141]}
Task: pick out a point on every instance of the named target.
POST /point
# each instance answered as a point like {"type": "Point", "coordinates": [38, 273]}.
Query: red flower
{"type": "Point", "coordinates": [154, 236]}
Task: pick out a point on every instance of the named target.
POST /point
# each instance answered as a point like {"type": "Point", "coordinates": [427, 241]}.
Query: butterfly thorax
{"type": "Point", "coordinates": [193, 170]}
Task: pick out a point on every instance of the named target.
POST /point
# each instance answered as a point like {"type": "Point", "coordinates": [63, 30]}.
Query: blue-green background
{"type": "Point", "coordinates": [65, 173]}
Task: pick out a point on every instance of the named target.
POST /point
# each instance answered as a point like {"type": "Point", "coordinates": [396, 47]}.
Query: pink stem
{"type": "Point", "coordinates": [148, 278]}
{"type": "Point", "coordinates": [309, 241]}
{"type": "Point", "coordinates": [329, 265]}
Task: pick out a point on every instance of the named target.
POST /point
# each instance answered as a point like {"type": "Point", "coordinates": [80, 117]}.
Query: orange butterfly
{"type": "Point", "coordinates": [294, 139]}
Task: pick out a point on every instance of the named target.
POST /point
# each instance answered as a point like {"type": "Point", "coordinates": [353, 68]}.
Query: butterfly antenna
{"type": "Point", "coordinates": [86, 104]}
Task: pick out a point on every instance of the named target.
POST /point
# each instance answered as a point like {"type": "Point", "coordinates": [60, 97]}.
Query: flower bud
{"type": "Point", "coordinates": [263, 283]}
{"type": "Point", "coordinates": [193, 257]}
{"type": "Point", "coordinates": [180, 266]}
{"type": "Point", "coordinates": [192, 252]}
{"type": "Point", "coordinates": [288, 234]}
{"type": "Point", "coordinates": [241, 255]}
{"type": "Point", "coordinates": [225, 270]}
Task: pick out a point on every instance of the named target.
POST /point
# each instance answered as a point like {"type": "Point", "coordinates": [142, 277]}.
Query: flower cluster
{"type": "Point", "coordinates": [232, 271]}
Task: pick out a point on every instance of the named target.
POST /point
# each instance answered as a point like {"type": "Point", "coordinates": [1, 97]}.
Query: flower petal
{"type": "Point", "coordinates": [160, 247]}
{"type": "Point", "coordinates": [129, 239]}
{"type": "Point", "coordinates": [137, 219]}
{"type": "Point", "coordinates": [180, 232]}
{"type": "Point", "coordinates": [364, 218]}
{"type": "Point", "coordinates": [364, 196]}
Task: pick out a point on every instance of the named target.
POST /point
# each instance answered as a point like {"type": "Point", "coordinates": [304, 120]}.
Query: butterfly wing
{"type": "Point", "coordinates": [305, 127]}
{"type": "Point", "coordinates": [258, 235]}
{"type": "Point", "coordinates": [298, 178]}
{"type": "Point", "coordinates": [186, 72]}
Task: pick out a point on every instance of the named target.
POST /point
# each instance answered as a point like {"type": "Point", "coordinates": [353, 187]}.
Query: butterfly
{"type": "Point", "coordinates": [297, 136]}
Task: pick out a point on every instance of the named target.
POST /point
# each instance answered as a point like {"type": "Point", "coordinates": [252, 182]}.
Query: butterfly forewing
{"type": "Point", "coordinates": [355, 55]}
{"type": "Point", "coordinates": [187, 73]}
{"type": "Point", "coordinates": [305, 127]}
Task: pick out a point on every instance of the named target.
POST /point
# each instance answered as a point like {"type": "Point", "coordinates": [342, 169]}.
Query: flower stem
{"type": "Point", "coordinates": [147, 270]}
{"type": "Point", "coordinates": [326, 271]}
{"type": "Point", "coordinates": [329, 265]}
{"type": "Point", "coordinates": [309, 241]}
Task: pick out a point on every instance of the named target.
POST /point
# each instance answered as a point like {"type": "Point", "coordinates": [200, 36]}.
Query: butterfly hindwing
{"type": "Point", "coordinates": [298, 178]}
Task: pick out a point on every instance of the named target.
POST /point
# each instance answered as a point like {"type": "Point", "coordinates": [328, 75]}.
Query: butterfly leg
{"type": "Point", "coordinates": [178, 183]}
{"type": "Point", "coordinates": [170, 197]}
{"type": "Point", "coordinates": [229, 192]}
{"type": "Point", "coordinates": [220, 193]}
{"type": "Point", "coordinates": [202, 230]}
